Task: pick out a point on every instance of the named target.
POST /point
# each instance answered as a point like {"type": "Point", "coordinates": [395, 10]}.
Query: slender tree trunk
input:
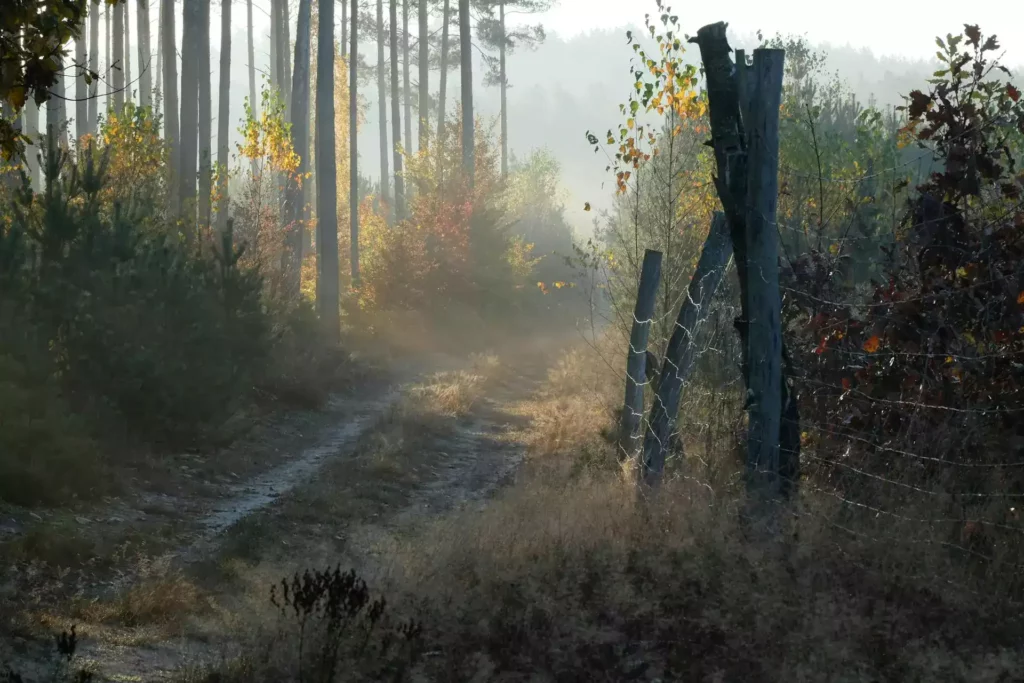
{"type": "Point", "coordinates": [172, 130]}
{"type": "Point", "coordinates": [108, 73]}
{"type": "Point", "coordinates": [344, 30]}
{"type": "Point", "coordinates": [81, 88]}
{"type": "Point", "coordinates": [466, 48]}
{"type": "Point", "coordinates": [406, 90]}
{"type": "Point", "coordinates": [286, 52]}
{"type": "Point", "coordinates": [504, 92]}
{"type": "Point", "coordinates": [53, 115]}
{"type": "Point", "coordinates": [327, 175]}
{"type": "Point", "coordinates": [382, 107]}
{"type": "Point", "coordinates": [275, 27]}
{"type": "Point", "coordinates": [189, 120]}
{"type": "Point", "coordinates": [92, 115]}
{"type": "Point", "coordinates": [145, 55]}
{"type": "Point", "coordinates": [62, 108]}
{"type": "Point", "coordinates": [158, 79]}
{"type": "Point", "coordinates": [424, 68]}
{"type": "Point", "coordinates": [396, 118]}
{"type": "Point", "coordinates": [32, 150]}
{"type": "Point", "coordinates": [205, 118]}
{"type": "Point", "coordinates": [253, 102]}
{"type": "Point", "coordinates": [119, 82]}
{"type": "Point", "coordinates": [444, 72]}
{"type": "Point", "coordinates": [223, 115]}
{"type": "Point", "coordinates": [128, 84]}
{"type": "Point", "coordinates": [353, 120]}
{"type": "Point", "coordinates": [300, 142]}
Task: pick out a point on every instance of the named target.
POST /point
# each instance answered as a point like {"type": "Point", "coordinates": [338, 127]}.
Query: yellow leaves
{"type": "Point", "coordinates": [542, 287]}
{"type": "Point", "coordinates": [834, 248]}
{"type": "Point", "coordinates": [872, 344]}
{"type": "Point", "coordinates": [630, 123]}
{"type": "Point", "coordinates": [586, 206]}
{"type": "Point", "coordinates": [1020, 298]}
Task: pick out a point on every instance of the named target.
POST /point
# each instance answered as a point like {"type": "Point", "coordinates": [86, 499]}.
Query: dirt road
{"type": "Point", "coordinates": [372, 463]}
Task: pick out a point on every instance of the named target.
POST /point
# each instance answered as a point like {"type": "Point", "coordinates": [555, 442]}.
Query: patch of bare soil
{"type": "Point", "coordinates": [315, 490]}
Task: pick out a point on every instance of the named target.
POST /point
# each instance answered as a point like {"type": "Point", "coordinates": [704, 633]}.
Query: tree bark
{"type": "Point", "coordinates": [81, 88]}
{"type": "Point", "coordinates": [327, 175]}
{"type": "Point", "coordinates": [92, 113]}
{"type": "Point", "coordinates": [128, 83]}
{"type": "Point", "coordinates": [636, 358]}
{"type": "Point", "coordinates": [253, 102]}
{"type": "Point", "coordinates": [680, 354]}
{"type": "Point", "coordinates": [286, 53]}
{"type": "Point", "coordinates": [145, 55]}
{"type": "Point", "coordinates": [504, 92]}
{"type": "Point", "coordinates": [159, 74]}
{"type": "Point", "coordinates": [424, 73]}
{"type": "Point", "coordinates": [32, 149]}
{"type": "Point", "coordinates": [119, 82]}
{"type": "Point", "coordinates": [466, 69]}
{"type": "Point", "coordinates": [205, 119]}
{"type": "Point", "coordinates": [172, 131]}
{"type": "Point", "coordinates": [344, 30]}
{"type": "Point", "coordinates": [108, 72]}
{"type": "Point", "coordinates": [382, 107]}
{"type": "Point", "coordinates": [396, 121]}
{"type": "Point", "coordinates": [275, 27]}
{"type": "Point", "coordinates": [353, 117]}
{"type": "Point", "coordinates": [406, 90]}
{"type": "Point", "coordinates": [189, 119]}
{"type": "Point", "coordinates": [444, 72]}
{"type": "Point", "coordinates": [224, 116]}
{"type": "Point", "coordinates": [300, 142]}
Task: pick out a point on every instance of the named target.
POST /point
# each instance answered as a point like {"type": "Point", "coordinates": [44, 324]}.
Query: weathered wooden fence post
{"type": "Point", "coordinates": [636, 359]}
{"type": "Point", "coordinates": [744, 112]}
{"type": "Point", "coordinates": [679, 357]}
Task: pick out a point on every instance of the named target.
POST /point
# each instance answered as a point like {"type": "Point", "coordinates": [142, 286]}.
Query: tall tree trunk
{"type": "Point", "coordinates": [300, 142]}
{"type": "Point", "coordinates": [327, 175]}
{"type": "Point", "coordinates": [424, 64]}
{"type": "Point", "coordinates": [92, 114]}
{"type": "Point", "coordinates": [382, 107]}
{"type": "Point", "coordinates": [466, 48]}
{"type": "Point", "coordinates": [223, 115]}
{"type": "Point", "coordinates": [81, 88]}
{"type": "Point", "coordinates": [128, 84]}
{"type": "Point", "coordinates": [119, 82]}
{"type": "Point", "coordinates": [396, 117]}
{"type": "Point", "coordinates": [344, 30]}
{"type": "Point", "coordinates": [253, 102]}
{"type": "Point", "coordinates": [172, 130]}
{"type": "Point", "coordinates": [444, 71]}
{"type": "Point", "coordinates": [108, 72]}
{"type": "Point", "coordinates": [286, 52]}
{"type": "Point", "coordinates": [353, 168]}
{"type": "Point", "coordinates": [406, 91]}
{"type": "Point", "coordinates": [205, 118]}
{"type": "Point", "coordinates": [504, 92]}
{"type": "Point", "coordinates": [145, 55]}
{"type": "Point", "coordinates": [62, 107]}
{"type": "Point", "coordinates": [159, 75]}
{"type": "Point", "coordinates": [275, 28]}
{"type": "Point", "coordinates": [189, 121]}
{"type": "Point", "coordinates": [32, 150]}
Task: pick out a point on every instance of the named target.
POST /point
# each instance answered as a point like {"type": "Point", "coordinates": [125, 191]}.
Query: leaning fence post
{"type": "Point", "coordinates": [680, 354]}
{"type": "Point", "coordinates": [643, 312]}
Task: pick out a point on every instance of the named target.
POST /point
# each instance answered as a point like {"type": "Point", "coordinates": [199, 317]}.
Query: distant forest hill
{"type": "Point", "coordinates": [568, 86]}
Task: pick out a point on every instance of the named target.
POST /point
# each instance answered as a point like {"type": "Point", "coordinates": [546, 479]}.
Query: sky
{"type": "Point", "coordinates": [885, 27]}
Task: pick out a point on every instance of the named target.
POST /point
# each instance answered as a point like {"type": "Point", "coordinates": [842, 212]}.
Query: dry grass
{"type": "Point", "coordinates": [159, 597]}
{"type": "Point", "coordinates": [448, 394]}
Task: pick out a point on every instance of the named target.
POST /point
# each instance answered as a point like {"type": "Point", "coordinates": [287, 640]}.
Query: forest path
{"type": "Point", "coordinates": [439, 436]}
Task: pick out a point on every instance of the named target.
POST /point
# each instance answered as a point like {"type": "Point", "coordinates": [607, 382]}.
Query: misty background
{"type": "Point", "coordinates": [575, 80]}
